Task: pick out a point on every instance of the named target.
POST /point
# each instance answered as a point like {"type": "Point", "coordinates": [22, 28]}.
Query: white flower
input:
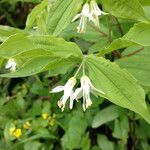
{"type": "Point", "coordinates": [95, 12]}
{"type": "Point", "coordinates": [84, 90]}
{"type": "Point", "coordinates": [11, 64]}
{"type": "Point", "coordinates": [84, 15]}
{"type": "Point", "coordinates": [68, 92]}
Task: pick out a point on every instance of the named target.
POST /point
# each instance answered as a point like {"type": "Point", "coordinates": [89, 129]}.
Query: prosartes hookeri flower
{"type": "Point", "coordinates": [68, 93]}
{"type": "Point", "coordinates": [95, 12]}
{"type": "Point", "coordinates": [84, 15]}
{"type": "Point", "coordinates": [85, 90]}
{"type": "Point", "coordinates": [11, 65]}
{"type": "Point", "coordinates": [90, 12]}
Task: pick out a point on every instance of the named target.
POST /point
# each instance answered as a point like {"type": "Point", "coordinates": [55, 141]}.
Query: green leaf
{"type": "Point", "coordinates": [125, 9]}
{"type": "Point", "coordinates": [38, 88]}
{"type": "Point", "coordinates": [98, 46]}
{"type": "Point", "coordinates": [145, 2]}
{"type": "Point", "coordinates": [16, 106]}
{"type": "Point", "coordinates": [20, 43]}
{"type": "Point", "coordinates": [61, 68]}
{"type": "Point", "coordinates": [85, 142]}
{"type": "Point", "coordinates": [35, 54]}
{"type": "Point", "coordinates": [6, 31]}
{"type": "Point", "coordinates": [35, 13]}
{"type": "Point", "coordinates": [8, 125]}
{"type": "Point", "coordinates": [32, 1]}
{"type": "Point", "coordinates": [104, 143]}
{"type": "Point", "coordinates": [142, 130]}
{"type": "Point", "coordinates": [32, 145]}
{"type": "Point", "coordinates": [107, 114]}
{"type": "Point", "coordinates": [118, 85]}
{"type": "Point", "coordinates": [121, 128]}
{"type": "Point", "coordinates": [73, 135]}
{"type": "Point", "coordinates": [1, 61]}
{"type": "Point", "coordinates": [90, 35]}
{"type": "Point", "coordinates": [147, 11]}
{"type": "Point", "coordinates": [115, 45]}
{"type": "Point", "coordinates": [61, 14]}
{"type": "Point", "coordinates": [35, 110]}
{"type": "Point", "coordinates": [137, 35]}
{"type": "Point", "coordinates": [95, 148]}
{"type": "Point", "coordinates": [138, 65]}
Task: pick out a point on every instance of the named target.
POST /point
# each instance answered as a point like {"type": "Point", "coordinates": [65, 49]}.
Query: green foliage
{"type": "Point", "coordinates": [125, 9]}
{"type": "Point", "coordinates": [131, 38]}
{"type": "Point", "coordinates": [104, 143]}
{"type": "Point", "coordinates": [33, 16]}
{"type": "Point", "coordinates": [57, 21]}
{"type": "Point", "coordinates": [43, 52]}
{"type": "Point", "coordinates": [75, 131]}
{"type": "Point", "coordinates": [138, 64]}
{"type": "Point", "coordinates": [108, 114]}
{"type": "Point", "coordinates": [6, 31]}
{"type": "Point", "coordinates": [119, 86]}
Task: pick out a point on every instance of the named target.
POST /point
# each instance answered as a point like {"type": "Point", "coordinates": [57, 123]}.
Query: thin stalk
{"type": "Point", "coordinates": [116, 53]}
{"type": "Point", "coordinates": [82, 65]}
{"type": "Point", "coordinates": [78, 69]}
{"type": "Point", "coordinates": [135, 52]}
{"type": "Point", "coordinates": [118, 25]}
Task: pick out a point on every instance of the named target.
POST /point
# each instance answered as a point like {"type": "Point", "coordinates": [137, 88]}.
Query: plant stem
{"type": "Point", "coordinates": [82, 65]}
{"type": "Point", "coordinates": [135, 52]}
{"type": "Point", "coordinates": [132, 132]}
{"type": "Point", "coordinates": [78, 69]}
{"type": "Point", "coordinates": [118, 25]}
{"type": "Point", "coordinates": [98, 30]}
{"type": "Point", "coordinates": [116, 53]}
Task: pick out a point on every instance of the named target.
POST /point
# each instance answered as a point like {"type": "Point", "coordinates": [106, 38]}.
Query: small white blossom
{"type": "Point", "coordinates": [68, 93]}
{"type": "Point", "coordinates": [84, 91]}
{"type": "Point", "coordinates": [95, 12]}
{"type": "Point", "coordinates": [84, 15]}
{"type": "Point", "coordinates": [11, 64]}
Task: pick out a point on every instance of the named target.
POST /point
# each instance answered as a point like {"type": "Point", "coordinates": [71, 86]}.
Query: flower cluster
{"type": "Point", "coordinates": [84, 91]}
{"type": "Point", "coordinates": [89, 12]}
{"type": "Point", "coordinates": [17, 132]}
{"type": "Point", "coordinates": [50, 119]}
{"type": "Point", "coordinates": [19, 129]}
{"type": "Point", "coordinates": [27, 125]}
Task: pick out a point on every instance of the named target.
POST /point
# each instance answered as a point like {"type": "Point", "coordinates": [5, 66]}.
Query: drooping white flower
{"type": "Point", "coordinates": [84, 16]}
{"type": "Point", "coordinates": [68, 93]}
{"type": "Point", "coordinates": [85, 90]}
{"type": "Point", "coordinates": [11, 64]}
{"type": "Point", "coordinates": [95, 12]}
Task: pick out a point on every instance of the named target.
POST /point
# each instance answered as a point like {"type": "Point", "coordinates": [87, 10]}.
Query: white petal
{"type": "Point", "coordinates": [66, 96]}
{"type": "Point", "coordinates": [88, 103]}
{"type": "Point", "coordinates": [57, 89]}
{"type": "Point", "coordinates": [11, 64]}
{"type": "Point", "coordinates": [71, 100]}
{"type": "Point", "coordinates": [70, 84]}
{"type": "Point", "coordinates": [86, 10]}
{"type": "Point", "coordinates": [83, 106]}
{"type": "Point", "coordinates": [76, 17]}
{"type": "Point", "coordinates": [78, 93]}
